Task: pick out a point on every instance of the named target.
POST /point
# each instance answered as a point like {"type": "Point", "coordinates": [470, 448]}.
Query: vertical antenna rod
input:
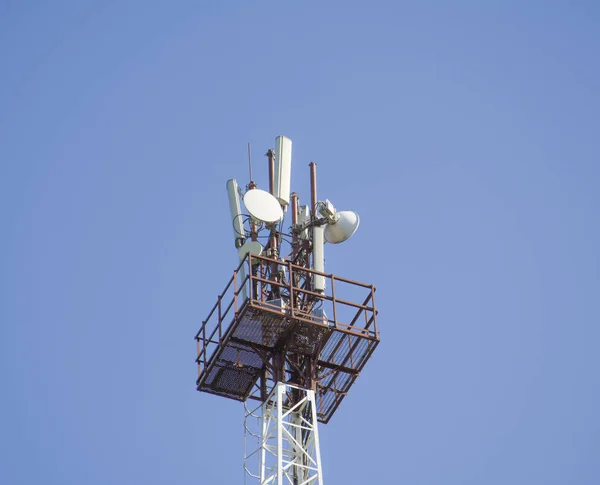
{"type": "Point", "coordinates": [249, 162]}
{"type": "Point", "coordinates": [271, 155]}
{"type": "Point", "coordinates": [313, 188]}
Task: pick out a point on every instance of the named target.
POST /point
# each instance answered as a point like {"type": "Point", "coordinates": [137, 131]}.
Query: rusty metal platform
{"type": "Point", "coordinates": [244, 331]}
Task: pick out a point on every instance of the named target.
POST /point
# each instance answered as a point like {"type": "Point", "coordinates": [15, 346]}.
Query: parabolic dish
{"type": "Point", "coordinates": [262, 206]}
{"type": "Point", "coordinates": [346, 225]}
{"type": "Point", "coordinates": [253, 247]}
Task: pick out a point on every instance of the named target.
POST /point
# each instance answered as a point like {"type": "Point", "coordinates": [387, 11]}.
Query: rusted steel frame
{"type": "Point", "coordinates": [374, 317]}
{"type": "Point", "coordinates": [299, 318]}
{"type": "Point", "coordinates": [353, 349]}
{"type": "Point", "coordinates": [197, 356]}
{"type": "Point", "coordinates": [293, 364]}
{"type": "Point", "coordinates": [328, 275]}
{"type": "Point", "coordinates": [265, 259]}
{"type": "Point", "coordinates": [294, 209]}
{"type": "Point", "coordinates": [220, 315]}
{"type": "Point", "coordinates": [221, 394]}
{"type": "Point", "coordinates": [338, 399]}
{"type": "Point", "coordinates": [271, 156]}
{"type": "Point", "coordinates": [344, 280]}
{"type": "Point", "coordinates": [337, 367]}
{"type": "Point", "coordinates": [226, 312]}
{"type": "Point", "coordinates": [325, 375]}
{"type": "Point", "coordinates": [358, 314]}
{"type": "Point", "coordinates": [340, 395]}
{"type": "Point", "coordinates": [320, 296]}
{"type": "Point", "coordinates": [263, 352]}
{"type": "Point", "coordinates": [356, 331]}
{"type": "Point", "coordinates": [220, 345]}
{"type": "Point", "coordinates": [235, 292]}
{"type": "Point", "coordinates": [262, 286]}
{"type": "Point", "coordinates": [347, 333]}
{"type": "Point", "coordinates": [333, 300]}
{"type": "Point", "coordinates": [291, 288]}
{"type": "Point", "coordinates": [215, 307]}
{"type": "Point", "coordinates": [204, 346]}
{"type": "Point", "coordinates": [270, 282]}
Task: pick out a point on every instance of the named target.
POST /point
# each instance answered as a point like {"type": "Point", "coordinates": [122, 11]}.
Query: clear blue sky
{"type": "Point", "coordinates": [465, 134]}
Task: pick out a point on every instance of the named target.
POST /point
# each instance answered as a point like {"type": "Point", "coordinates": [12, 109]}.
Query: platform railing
{"type": "Point", "coordinates": [251, 285]}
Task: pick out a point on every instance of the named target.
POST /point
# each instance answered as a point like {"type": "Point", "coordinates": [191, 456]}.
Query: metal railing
{"type": "Point", "coordinates": [259, 281]}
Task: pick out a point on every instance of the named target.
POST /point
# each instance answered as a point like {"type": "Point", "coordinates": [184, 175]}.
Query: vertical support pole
{"type": "Point", "coordinates": [315, 437]}
{"type": "Point", "coordinates": [280, 390]}
{"type": "Point", "coordinates": [219, 312]}
{"type": "Point", "coordinates": [313, 188]}
{"type": "Point", "coordinates": [294, 206]}
{"type": "Point", "coordinates": [333, 300]}
{"type": "Point", "coordinates": [271, 155]}
{"type": "Point", "coordinates": [313, 206]}
{"type": "Point", "coordinates": [198, 353]}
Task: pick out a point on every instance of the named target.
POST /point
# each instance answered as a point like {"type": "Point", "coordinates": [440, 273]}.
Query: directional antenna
{"type": "Point", "coordinates": [262, 206]}
{"type": "Point", "coordinates": [346, 224]}
{"type": "Point", "coordinates": [253, 247]}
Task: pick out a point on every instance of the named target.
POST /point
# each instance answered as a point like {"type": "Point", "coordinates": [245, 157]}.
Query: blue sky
{"type": "Point", "coordinates": [465, 134]}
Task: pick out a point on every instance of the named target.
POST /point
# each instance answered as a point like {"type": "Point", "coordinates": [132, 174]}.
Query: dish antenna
{"type": "Point", "coordinates": [340, 224]}
{"type": "Point", "coordinates": [263, 206]}
{"type": "Point", "coordinates": [345, 226]}
{"type": "Point", "coordinates": [252, 247]}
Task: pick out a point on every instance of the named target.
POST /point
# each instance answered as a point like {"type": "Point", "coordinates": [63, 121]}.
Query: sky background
{"type": "Point", "coordinates": [465, 134]}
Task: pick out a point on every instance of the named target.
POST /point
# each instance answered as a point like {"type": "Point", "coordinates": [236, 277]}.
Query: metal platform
{"type": "Point", "coordinates": [248, 326]}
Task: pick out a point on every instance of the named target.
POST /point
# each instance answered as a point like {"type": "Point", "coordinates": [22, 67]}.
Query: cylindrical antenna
{"type": "Point", "coordinates": [315, 231]}
{"type": "Point", "coordinates": [271, 155]}
{"type": "Point", "coordinates": [318, 257]}
{"type": "Point", "coordinates": [294, 199]}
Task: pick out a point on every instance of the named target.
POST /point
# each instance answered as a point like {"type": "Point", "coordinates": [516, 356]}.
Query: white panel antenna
{"type": "Point", "coordinates": [235, 212]}
{"type": "Point", "coordinates": [283, 169]}
{"type": "Point", "coordinates": [304, 219]}
{"type": "Point", "coordinates": [319, 257]}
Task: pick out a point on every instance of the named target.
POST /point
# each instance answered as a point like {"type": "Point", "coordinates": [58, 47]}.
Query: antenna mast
{"type": "Point", "coordinates": [278, 334]}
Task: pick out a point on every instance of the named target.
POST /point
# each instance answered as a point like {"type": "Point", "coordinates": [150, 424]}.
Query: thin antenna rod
{"type": "Point", "coordinates": [313, 188]}
{"type": "Point", "coordinates": [249, 162]}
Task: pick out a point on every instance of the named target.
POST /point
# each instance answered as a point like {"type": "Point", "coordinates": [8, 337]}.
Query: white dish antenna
{"type": "Point", "coordinates": [252, 247]}
{"type": "Point", "coordinates": [346, 224]}
{"type": "Point", "coordinates": [283, 169]}
{"type": "Point", "coordinates": [262, 206]}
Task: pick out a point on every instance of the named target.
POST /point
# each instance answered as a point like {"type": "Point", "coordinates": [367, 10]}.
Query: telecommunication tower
{"type": "Point", "coordinates": [284, 333]}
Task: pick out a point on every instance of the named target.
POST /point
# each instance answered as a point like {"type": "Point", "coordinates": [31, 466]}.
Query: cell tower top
{"type": "Point", "coordinates": [284, 332]}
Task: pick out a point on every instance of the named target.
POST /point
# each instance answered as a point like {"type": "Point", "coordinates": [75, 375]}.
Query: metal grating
{"type": "Point", "coordinates": [232, 372]}
{"type": "Point", "coordinates": [240, 337]}
{"type": "Point", "coordinates": [262, 327]}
